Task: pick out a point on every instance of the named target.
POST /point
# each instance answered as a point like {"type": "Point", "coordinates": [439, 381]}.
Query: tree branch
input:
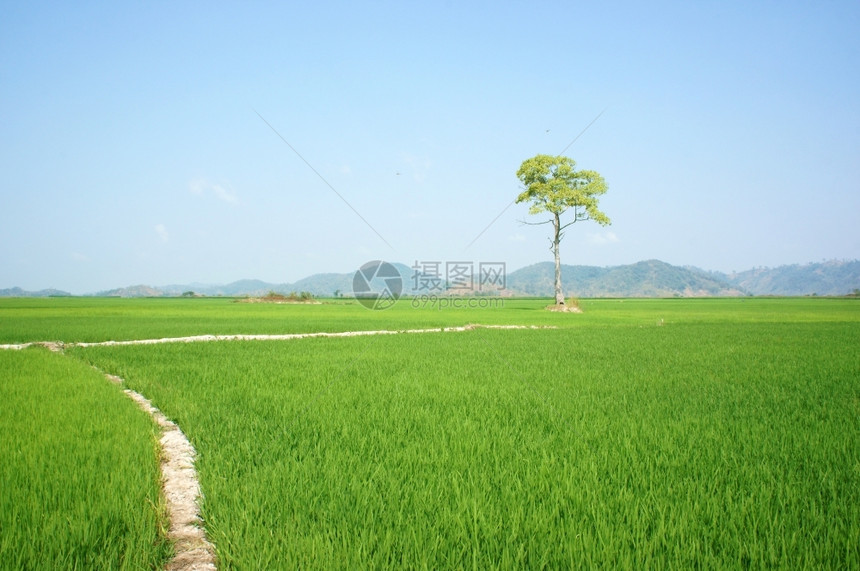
{"type": "Point", "coordinates": [577, 217]}
{"type": "Point", "coordinates": [534, 223]}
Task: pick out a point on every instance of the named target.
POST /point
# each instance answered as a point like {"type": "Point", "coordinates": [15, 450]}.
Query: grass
{"type": "Point", "coordinates": [658, 433]}
{"type": "Point", "coordinates": [79, 480]}
{"type": "Point", "coordinates": [93, 319]}
{"type": "Point", "coordinates": [102, 319]}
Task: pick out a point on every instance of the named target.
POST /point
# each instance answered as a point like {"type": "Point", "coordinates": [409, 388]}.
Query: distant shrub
{"type": "Point", "coordinates": [292, 296]}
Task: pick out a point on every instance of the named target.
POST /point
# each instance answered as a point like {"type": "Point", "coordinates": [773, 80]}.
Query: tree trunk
{"type": "Point", "coordinates": [556, 241]}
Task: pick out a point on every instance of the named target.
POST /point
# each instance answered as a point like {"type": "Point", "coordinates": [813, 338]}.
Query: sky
{"type": "Point", "coordinates": [181, 142]}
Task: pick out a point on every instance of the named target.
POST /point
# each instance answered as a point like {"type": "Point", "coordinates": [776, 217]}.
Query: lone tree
{"type": "Point", "coordinates": [553, 185]}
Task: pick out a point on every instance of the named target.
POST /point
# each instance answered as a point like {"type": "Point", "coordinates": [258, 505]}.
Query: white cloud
{"type": "Point", "coordinates": [223, 193]}
{"type": "Point", "coordinates": [419, 167]}
{"type": "Point", "coordinates": [201, 187]}
{"type": "Point", "coordinates": [603, 239]}
{"type": "Point", "coordinates": [161, 230]}
{"type": "Point", "coordinates": [517, 237]}
{"type": "Point", "coordinates": [78, 257]}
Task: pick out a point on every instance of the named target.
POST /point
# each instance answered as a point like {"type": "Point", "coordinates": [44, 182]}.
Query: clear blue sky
{"type": "Point", "coordinates": [131, 150]}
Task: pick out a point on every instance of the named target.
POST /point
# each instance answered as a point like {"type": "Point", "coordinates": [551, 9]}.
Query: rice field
{"type": "Point", "coordinates": [101, 319]}
{"type": "Point", "coordinates": [79, 481]}
{"type": "Point", "coordinates": [715, 436]}
{"type": "Point", "coordinates": [644, 433]}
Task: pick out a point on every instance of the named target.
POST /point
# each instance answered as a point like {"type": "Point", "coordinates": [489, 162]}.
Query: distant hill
{"type": "Point", "coordinates": [237, 288]}
{"type": "Point", "coordinates": [132, 291]}
{"type": "Point", "coordinates": [320, 285]}
{"type": "Point", "coordinates": [18, 292]}
{"type": "Point", "coordinates": [651, 278]}
{"type": "Point", "coordinates": [825, 278]}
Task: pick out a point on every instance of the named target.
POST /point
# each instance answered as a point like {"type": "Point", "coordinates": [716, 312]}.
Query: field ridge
{"type": "Point", "coordinates": [181, 489]}
{"type": "Point", "coordinates": [58, 345]}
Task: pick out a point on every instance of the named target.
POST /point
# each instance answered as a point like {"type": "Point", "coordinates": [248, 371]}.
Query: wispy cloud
{"type": "Point", "coordinates": [418, 167]}
{"type": "Point", "coordinates": [162, 232]}
{"type": "Point", "coordinates": [201, 187]}
{"type": "Point", "coordinates": [603, 238]}
{"type": "Point", "coordinates": [78, 257]}
{"type": "Point", "coordinates": [517, 237]}
{"type": "Point", "coordinates": [223, 193]}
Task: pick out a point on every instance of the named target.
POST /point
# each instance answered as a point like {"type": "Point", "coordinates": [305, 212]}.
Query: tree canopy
{"type": "Point", "coordinates": [552, 184]}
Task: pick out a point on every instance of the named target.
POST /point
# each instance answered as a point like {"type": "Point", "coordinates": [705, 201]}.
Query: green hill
{"type": "Point", "coordinates": [837, 277]}
{"type": "Point", "coordinates": [651, 278]}
{"type": "Point", "coordinates": [18, 292]}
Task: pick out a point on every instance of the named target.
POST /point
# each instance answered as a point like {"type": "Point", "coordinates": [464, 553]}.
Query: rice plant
{"type": "Point", "coordinates": [728, 436]}
{"type": "Point", "coordinates": [79, 479]}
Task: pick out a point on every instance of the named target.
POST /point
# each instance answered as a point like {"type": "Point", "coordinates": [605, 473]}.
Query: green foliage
{"type": "Point", "coordinates": [554, 185]}
{"type": "Point", "coordinates": [79, 478]}
{"type": "Point", "coordinates": [727, 437]}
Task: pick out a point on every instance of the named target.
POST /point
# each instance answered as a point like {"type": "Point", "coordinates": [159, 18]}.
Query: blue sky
{"type": "Point", "coordinates": [131, 149]}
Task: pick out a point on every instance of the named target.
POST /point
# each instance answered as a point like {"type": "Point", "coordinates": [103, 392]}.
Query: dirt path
{"type": "Point", "coordinates": [55, 346]}
{"type": "Point", "coordinates": [59, 345]}
{"type": "Point", "coordinates": [290, 336]}
{"type": "Point", "coordinates": [193, 552]}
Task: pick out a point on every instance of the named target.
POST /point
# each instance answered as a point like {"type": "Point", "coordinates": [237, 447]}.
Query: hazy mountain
{"type": "Point", "coordinates": [651, 278]}
{"type": "Point", "coordinates": [18, 292]}
{"type": "Point", "coordinates": [837, 277]}
{"type": "Point", "coordinates": [132, 291]}
{"type": "Point", "coordinates": [241, 287]}
{"type": "Point", "coordinates": [323, 285]}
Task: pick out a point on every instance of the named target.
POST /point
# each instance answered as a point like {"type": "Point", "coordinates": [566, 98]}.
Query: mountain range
{"type": "Point", "coordinates": [18, 292]}
{"type": "Point", "coordinates": [650, 278]}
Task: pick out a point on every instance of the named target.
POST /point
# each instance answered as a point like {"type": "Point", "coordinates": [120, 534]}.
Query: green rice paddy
{"type": "Point", "coordinates": [716, 433]}
{"type": "Point", "coordinates": [79, 481]}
